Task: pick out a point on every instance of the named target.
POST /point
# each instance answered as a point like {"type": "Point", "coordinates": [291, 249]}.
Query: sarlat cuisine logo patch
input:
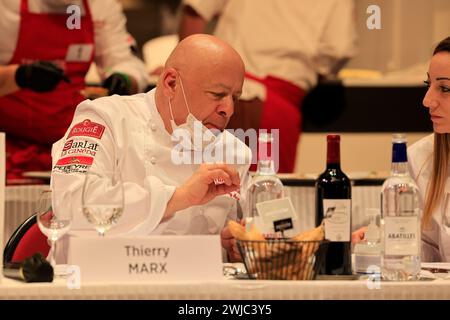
{"type": "Point", "coordinates": [79, 147]}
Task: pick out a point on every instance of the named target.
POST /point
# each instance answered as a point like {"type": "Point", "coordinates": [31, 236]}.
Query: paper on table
{"type": "Point", "coordinates": [436, 265]}
{"type": "Point", "coordinates": [435, 270]}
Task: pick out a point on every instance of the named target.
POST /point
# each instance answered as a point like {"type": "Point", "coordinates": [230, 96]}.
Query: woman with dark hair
{"type": "Point", "coordinates": [429, 160]}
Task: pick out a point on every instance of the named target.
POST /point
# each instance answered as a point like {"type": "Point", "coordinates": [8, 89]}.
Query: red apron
{"type": "Point", "coordinates": [281, 110]}
{"type": "Point", "coordinates": [33, 121]}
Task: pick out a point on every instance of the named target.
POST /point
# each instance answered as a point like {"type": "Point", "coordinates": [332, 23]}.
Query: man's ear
{"type": "Point", "coordinates": [169, 82]}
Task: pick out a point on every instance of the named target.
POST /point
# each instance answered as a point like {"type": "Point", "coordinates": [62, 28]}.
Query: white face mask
{"type": "Point", "coordinates": [200, 136]}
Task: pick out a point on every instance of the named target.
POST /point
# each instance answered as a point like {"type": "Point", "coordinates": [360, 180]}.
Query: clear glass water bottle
{"type": "Point", "coordinates": [265, 185]}
{"type": "Point", "coordinates": [400, 219]}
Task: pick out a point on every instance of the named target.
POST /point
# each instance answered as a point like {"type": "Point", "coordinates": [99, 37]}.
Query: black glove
{"type": "Point", "coordinates": [40, 76]}
{"type": "Point", "coordinates": [32, 269]}
{"type": "Point", "coordinates": [117, 83]}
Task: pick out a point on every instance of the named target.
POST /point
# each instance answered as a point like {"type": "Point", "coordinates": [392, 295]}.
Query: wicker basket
{"type": "Point", "coordinates": [282, 259]}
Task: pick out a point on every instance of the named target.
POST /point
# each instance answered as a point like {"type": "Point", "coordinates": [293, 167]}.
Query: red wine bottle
{"type": "Point", "coordinates": [333, 206]}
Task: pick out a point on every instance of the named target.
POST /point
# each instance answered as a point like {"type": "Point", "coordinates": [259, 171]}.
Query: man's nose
{"type": "Point", "coordinates": [227, 107]}
{"type": "Point", "coordinates": [429, 101]}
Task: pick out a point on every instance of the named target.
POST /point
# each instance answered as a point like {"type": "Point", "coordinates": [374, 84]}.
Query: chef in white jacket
{"type": "Point", "coordinates": [46, 50]}
{"type": "Point", "coordinates": [201, 81]}
{"type": "Point", "coordinates": [429, 160]}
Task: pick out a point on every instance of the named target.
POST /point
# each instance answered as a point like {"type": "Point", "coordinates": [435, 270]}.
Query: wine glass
{"type": "Point", "coordinates": [103, 199]}
{"type": "Point", "coordinates": [54, 219]}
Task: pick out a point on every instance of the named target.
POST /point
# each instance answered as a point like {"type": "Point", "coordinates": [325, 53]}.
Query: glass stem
{"type": "Point", "coordinates": [52, 253]}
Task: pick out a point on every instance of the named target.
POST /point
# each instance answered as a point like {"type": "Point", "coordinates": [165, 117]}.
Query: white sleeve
{"type": "Point", "coordinates": [92, 142]}
{"type": "Point", "coordinates": [206, 8]}
{"type": "Point", "coordinates": [339, 39]}
{"type": "Point", "coordinates": [112, 46]}
{"type": "Point", "coordinates": [430, 251]}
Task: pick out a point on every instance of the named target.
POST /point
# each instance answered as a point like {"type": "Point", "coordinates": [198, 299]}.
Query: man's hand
{"type": "Point", "coordinates": [229, 244]}
{"type": "Point", "coordinates": [358, 235]}
{"type": "Point", "coordinates": [200, 188]}
{"type": "Point", "coordinates": [39, 76]}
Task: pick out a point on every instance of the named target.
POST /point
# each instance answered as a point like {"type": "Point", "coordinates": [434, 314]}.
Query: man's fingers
{"type": "Point", "coordinates": [225, 234]}
{"type": "Point", "coordinates": [224, 189]}
{"type": "Point", "coordinates": [233, 174]}
{"type": "Point", "coordinates": [219, 174]}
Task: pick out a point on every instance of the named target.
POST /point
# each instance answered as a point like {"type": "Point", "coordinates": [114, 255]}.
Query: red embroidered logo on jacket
{"type": "Point", "coordinates": [87, 128]}
{"type": "Point", "coordinates": [75, 160]}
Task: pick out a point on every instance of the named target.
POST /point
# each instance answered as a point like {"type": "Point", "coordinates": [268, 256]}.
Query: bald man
{"type": "Point", "coordinates": [145, 136]}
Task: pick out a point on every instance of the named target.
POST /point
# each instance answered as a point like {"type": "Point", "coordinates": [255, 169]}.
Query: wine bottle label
{"type": "Point", "coordinates": [336, 213]}
{"type": "Point", "coordinates": [401, 236]}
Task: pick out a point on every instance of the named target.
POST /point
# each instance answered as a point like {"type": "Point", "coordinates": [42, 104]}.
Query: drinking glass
{"type": "Point", "coordinates": [103, 199]}
{"type": "Point", "coordinates": [53, 220]}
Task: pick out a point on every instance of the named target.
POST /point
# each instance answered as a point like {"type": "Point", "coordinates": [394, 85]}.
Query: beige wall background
{"type": "Point", "coordinates": [360, 152]}
{"type": "Point", "coordinates": [410, 29]}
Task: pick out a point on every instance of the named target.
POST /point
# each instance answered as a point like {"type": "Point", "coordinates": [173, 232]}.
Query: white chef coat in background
{"type": "Point", "coordinates": [135, 139]}
{"type": "Point", "coordinates": [435, 238]}
{"type": "Point", "coordinates": [112, 48]}
{"type": "Point", "coordinates": [294, 40]}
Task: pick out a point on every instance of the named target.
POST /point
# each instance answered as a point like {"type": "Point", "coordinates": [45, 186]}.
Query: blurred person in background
{"type": "Point", "coordinates": [286, 46]}
{"type": "Point", "coordinates": [429, 160]}
{"type": "Point", "coordinates": [45, 53]}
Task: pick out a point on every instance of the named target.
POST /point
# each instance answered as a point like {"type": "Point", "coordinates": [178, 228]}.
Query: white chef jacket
{"type": "Point", "coordinates": [129, 131]}
{"type": "Point", "coordinates": [436, 238]}
{"type": "Point", "coordinates": [112, 47]}
{"type": "Point", "coordinates": [293, 40]}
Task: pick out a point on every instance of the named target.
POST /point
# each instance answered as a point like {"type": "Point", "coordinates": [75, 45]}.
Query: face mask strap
{"type": "Point", "coordinates": [171, 113]}
{"type": "Point", "coordinates": [184, 95]}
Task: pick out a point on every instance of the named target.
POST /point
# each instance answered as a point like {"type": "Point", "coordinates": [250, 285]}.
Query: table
{"type": "Point", "coordinates": [229, 290]}
{"type": "Point", "coordinates": [22, 201]}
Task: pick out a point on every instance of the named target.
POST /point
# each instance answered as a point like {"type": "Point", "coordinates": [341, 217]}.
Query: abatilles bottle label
{"type": "Point", "coordinates": [400, 236]}
{"type": "Point", "coordinates": [336, 213]}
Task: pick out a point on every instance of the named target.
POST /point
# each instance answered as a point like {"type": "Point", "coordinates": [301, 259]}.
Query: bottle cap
{"type": "Point", "coordinates": [333, 148]}
{"type": "Point", "coordinates": [333, 137]}
{"type": "Point", "coordinates": [399, 148]}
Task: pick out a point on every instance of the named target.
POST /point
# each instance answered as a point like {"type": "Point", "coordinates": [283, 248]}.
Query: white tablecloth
{"type": "Point", "coordinates": [229, 290]}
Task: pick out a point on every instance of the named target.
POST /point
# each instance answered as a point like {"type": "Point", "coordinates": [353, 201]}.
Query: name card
{"type": "Point", "coordinates": [153, 258]}
{"type": "Point", "coordinates": [276, 216]}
